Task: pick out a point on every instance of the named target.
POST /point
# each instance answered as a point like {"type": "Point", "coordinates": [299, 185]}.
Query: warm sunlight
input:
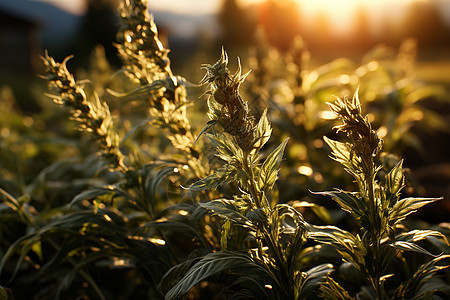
{"type": "Point", "coordinates": [341, 13]}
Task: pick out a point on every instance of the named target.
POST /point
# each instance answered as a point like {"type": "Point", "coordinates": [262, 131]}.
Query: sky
{"type": "Point", "coordinates": [340, 12]}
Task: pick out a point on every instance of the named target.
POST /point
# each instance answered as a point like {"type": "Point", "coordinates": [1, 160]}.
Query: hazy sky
{"type": "Point", "coordinates": [340, 12]}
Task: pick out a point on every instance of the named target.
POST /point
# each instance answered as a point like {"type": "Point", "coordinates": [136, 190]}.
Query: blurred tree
{"type": "Point", "coordinates": [322, 35]}
{"type": "Point", "coordinates": [237, 24]}
{"type": "Point", "coordinates": [281, 21]}
{"type": "Point", "coordinates": [424, 22]}
{"type": "Point", "coordinates": [98, 27]}
{"type": "Point", "coordinates": [362, 34]}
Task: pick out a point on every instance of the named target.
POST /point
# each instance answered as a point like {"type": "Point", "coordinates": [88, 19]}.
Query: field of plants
{"type": "Point", "coordinates": [268, 179]}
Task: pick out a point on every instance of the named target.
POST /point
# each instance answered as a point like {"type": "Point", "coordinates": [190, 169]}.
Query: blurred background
{"type": "Point", "coordinates": [195, 31]}
{"type": "Point", "coordinates": [330, 28]}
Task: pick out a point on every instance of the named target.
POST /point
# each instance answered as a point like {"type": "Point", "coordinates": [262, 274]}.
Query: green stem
{"type": "Point", "coordinates": [248, 168]}
{"type": "Point", "coordinates": [283, 276]}
{"type": "Point", "coordinates": [374, 229]}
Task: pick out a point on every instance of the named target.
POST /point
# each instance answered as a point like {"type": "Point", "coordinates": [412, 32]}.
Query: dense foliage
{"type": "Point", "coordinates": [161, 195]}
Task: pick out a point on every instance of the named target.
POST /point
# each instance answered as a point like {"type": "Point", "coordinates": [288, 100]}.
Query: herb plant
{"type": "Point", "coordinates": [141, 202]}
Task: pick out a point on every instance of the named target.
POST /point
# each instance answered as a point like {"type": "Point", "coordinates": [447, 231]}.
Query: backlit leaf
{"type": "Point", "coordinates": [407, 206]}
{"type": "Point", "coordinates": [315, 277]}
{"type": "Point", "coordinates": [269, 170]}
{"type": "Point", "coordinates": [214, 264]}
{"type": "Point", "coordinates": [394, 183]}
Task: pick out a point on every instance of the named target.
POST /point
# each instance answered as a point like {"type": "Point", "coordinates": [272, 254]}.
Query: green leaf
{"type": "Point", "coordinates": [90, 194]}
{"type": "Point", "coordinates": [269, 170]}
{"type": "Point", "coordinates": [228, 151]}
{"type": "Point", "coordinates": [3, 293]}
{"type": "Point", "coordinates": [350, 203]}
{"type": "Point", "coordinates": [257, 216]}
{"type": "Point", "coordinates": [416, 285]}
{"type": "Point", "coordinates": [394, 183]}
{"type": "Point", "coordinates": [332, 290]}
{"type": "Point", "coordinates": [224, 235]}
{"type": "Point", "coordinates": [226, 209]}
{"type": "Point", "coordinates": [349, 246]}
{"type": "Point", "coordinates": [151, 180]}
{"type": "Point", "coordinates": [210, 124]}
{"type": "Point", "coordinates": [407, 206]}
{"type": "Point", "coordinates": [402, 245]}
{"type": "Point", "coordinates": [342, 153]}
{"type": "Point", "coordinates": [314, 278]}
{"type": "Point", "coordinates": [175, 274]}
{"type": "Point", "coordinates": [418, 235]}
{"type": "Point", "coordinates": [226, 174]}
{"type": "Point", "coordinates": [263, 131]}
{"type": "Point", "coordinates": [214, 264]}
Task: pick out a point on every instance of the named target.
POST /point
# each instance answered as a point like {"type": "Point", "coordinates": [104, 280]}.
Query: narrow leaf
{"type": "Point", "coordinates": [213, 264]}
{"type": "Point", "coordinates": [269, 170]}
{"type": "Point", "coordinates": [263, 130]}
{"type": "Point", "coordinates": [407, 206]}
{"type": "Point", "coordinates": [225, 209]}
{"type": "Point", "coordinates": [315, 277]}
{"type": "Point", "coordinates": [402, 245]}
{"type": "Point", "coordinates": [228, 151]}
{"type": "Point", "coordinates": [394, 182]}
{"type": "Point", "coordinates": [348, 245]}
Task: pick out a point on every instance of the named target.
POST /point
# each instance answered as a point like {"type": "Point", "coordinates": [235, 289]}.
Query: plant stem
{"type": "Point", "coordinates": [280, 266]}
{"type": "Point", "coordinates": [374, 228]}
{"type": "Point", "coordinates": [248, 168]}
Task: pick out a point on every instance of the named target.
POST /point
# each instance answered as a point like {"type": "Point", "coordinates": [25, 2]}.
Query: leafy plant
{"type": "Point", "coordinates": [378, 210]}
{"type": "Point", "coordinates": [137, 203]}
{"type": "Point", "coordinates": [270, 262]}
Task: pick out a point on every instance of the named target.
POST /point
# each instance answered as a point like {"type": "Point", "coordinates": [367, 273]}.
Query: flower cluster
{"type": "Point", "coordinates": [92, 114]}
{"type": "Point", "coordinates": [363, 138]}
{"type": "Point", "coordinates": [229, 109]}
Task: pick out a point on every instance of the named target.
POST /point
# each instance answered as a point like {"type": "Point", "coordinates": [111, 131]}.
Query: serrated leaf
{"type": "Point", "coordinates": [342, 153]}
{"type": "Point", "coordinates": [348, 245]}
{"type": "Point", "coordinates": [225, 147]}
{"type": "Point", "coordinates": [269, 170]}
{"type": "Point", "coordinates": [407, 206]}
{"type": "Point", "coordinates": [315, 277]}
{"type": "Point", "coordinates": [263, 130]}
{"type": "Point", "coordinates": [402, 245]}
{"type": "Point", "coordinates": [214, 264]}
{"type": "Point", "coordinates": [225, 209]}
{"type": "Point", "coordinates": [226, 174]}
{"type": "Point", "coordinates": [332, 290]}
{"type": "Point", "coordinates": [423, 275]}
{"type": "Point", "coordinates": [174, 275]}
{"type": "Point", "coordinates": [224, 235]}
{"type": "Point", "coordinates": [394, 183]}
{"type": "Point", "coordinates": [350, 203]}
{"type": "Point", "coordinates": [418, 235]}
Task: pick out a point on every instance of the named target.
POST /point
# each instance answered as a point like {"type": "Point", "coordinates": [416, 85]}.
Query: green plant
{"type": "Point", "coordinates": [268, 260]}
{"type": "Point", "coordinates": [135, 203]}
{"type": "Point", "coordinates": [379, 211]}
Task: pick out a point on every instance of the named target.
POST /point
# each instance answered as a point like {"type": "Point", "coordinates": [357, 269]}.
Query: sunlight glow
{"type": "Point", "coordinates": [341, 13]}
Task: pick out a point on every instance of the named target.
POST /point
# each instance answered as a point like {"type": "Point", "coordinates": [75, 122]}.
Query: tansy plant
{"type": "Point", "coordinates": [378, 210]}
{"type": "Point", "coordinates": [269, 265]}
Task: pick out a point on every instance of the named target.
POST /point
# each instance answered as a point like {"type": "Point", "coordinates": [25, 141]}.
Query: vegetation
{"type": "Point", "coordinates": [153, 199]}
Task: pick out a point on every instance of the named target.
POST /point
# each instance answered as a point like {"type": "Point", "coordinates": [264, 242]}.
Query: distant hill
{"type": "Point", "coordinates": [57, 26]}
